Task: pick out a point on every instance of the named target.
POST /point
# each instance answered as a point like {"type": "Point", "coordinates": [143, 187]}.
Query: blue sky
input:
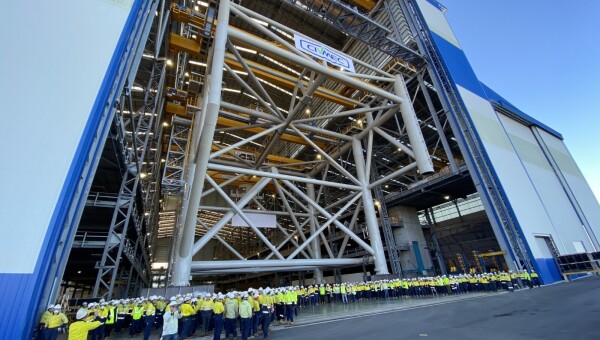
{"type": "Point", "coordinates": [543, 57]}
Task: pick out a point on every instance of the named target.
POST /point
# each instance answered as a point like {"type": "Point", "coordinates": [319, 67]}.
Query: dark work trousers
{"type": "Point", "coordinates": [218, 326]}
{"type": "Point", "coordinates": [183, 332]}
{"type": "Point", "coordinates": [230, 328]}
{"type": "Point", "coordinates": [148, 322]}
{"type": "Point", "coordinates": [51, 333]}
{"type": "Point", "coordinates": [266, 320]}
{"type": "Point", "coordinates": [289, 312]}
{"type": "Point", "coordinates": [246, 327]}
{"type": "Point", "coordinates": [206, 314]}
{"type": "Point", "coordinates": [255, 321]}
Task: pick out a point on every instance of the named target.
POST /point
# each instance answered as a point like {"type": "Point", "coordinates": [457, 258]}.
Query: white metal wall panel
{"type": "Point", "coordinates": [519, 189]}
{"type": "Point", "coordinates": [437, 22]}
{"type": "Point", "coordinates": [54, 63]}
{"type": "Point", "coordinates": [543, 246]}
{"type": "Point", "coordinates": [50, 79]}
{"type": "Point", "coordinates": [581, 189]}
{"type": "Point", "coordinates": [565, 225]}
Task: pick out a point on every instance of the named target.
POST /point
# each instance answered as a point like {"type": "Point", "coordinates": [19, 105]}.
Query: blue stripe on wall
{"type": "Point", "coordinates": [437, 5]}
{"type": "Point", "coordinates": [21, 293]}
{"type": "Point", "coordinates": [456, 62]}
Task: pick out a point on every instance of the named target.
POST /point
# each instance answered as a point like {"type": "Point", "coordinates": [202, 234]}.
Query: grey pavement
{"type": "Point", "coordinates": [561, 311]}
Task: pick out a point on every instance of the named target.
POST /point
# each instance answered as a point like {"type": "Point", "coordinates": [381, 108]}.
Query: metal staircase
{"type": "Point", "coordinates": [173, 178]}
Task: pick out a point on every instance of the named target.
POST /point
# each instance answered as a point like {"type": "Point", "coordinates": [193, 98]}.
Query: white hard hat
{"type": "Point", "coordinates": [173, 303]}
{"type": "Point", "coordinates": [57, 306]}
{"type": "Point", "coordinates": [50, 306]}
{"type": "Point", "coordinates": [82, 313]}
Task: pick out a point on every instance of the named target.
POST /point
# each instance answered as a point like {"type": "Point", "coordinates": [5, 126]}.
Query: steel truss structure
{"type": "Point", "coordinates": [221, 123]}
{"type": "Point", "coordinates": [137, 131]}
{"type": "Point", "coordinates": [296, 186]}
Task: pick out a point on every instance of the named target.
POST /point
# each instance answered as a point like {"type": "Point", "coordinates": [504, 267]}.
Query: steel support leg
{"type": "Point", "coordinates": [182, 266]}
{"type": "Point", "coordinates": [316, 247]}
{"type": "Point", "coordinates": [417, 142]}
{"type": "Point", "coordinates": [369, 209]}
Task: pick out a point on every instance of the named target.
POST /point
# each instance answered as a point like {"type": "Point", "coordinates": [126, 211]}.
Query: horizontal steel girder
{"type": "Point", "coordinates": [238, 264]}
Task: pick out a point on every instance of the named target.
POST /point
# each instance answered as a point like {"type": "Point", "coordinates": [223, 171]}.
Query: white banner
{"type": "Point", "coordinates": [323, 52]}
{"type": "Point", "coordinates": [259, 220]}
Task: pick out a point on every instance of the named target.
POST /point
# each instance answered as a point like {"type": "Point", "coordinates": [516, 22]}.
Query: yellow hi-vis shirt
{"type": "Point", "coordinates": [137, 312]}
{"type": "Point", "coordinates": [78, 330]}
{"type": "Point", "coordinates": [150, 309]}
{"type": "Point", "coordinates": [45, 317]}
{"type": "Point", "coordinates": [111, 315]}
{"type": "Point", "coordinates": [56, 320]}
{"type": "Point", "coordinates": [207, 305]}
{"type": "Point", "coordinates": [218, 307]}
{"type": "Point", "coordinates": [255, 305]}
{"type": "Point", "coordinates": [187, 309]}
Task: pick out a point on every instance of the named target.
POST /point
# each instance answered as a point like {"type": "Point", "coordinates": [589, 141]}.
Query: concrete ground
{"type": "Point", "coordinates": [561, 311]}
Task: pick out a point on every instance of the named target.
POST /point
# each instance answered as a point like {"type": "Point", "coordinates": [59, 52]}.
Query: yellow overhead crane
{"type": "Point", "coordinates": [286, 137]}
{"type": "Point", "coordinates": [366, 4]}
{"type": "Point", "coordinates": [186, 15]}
{"type": "Point", "coordinates": [492, 253]}
{"type": "Point", "coordinates": [273, 159]}
{"type": "Point", "coordinates": [180, 110]}
{"type": "Point", "coordinates": [220, 177]}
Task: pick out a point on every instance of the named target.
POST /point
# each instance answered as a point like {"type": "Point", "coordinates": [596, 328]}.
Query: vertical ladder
{"type": "Point", "coordinates": [489, 182]}
{"type": "Point", "coordinates": [477, 260]}
{"type": "Point", "coordinates": [461, 262]}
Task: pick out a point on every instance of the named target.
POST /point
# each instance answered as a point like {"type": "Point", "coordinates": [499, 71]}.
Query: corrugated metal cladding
{"type": "Point", "coordinates": [13, 286]}
{"type": "Point", "coordinates": [21, 289]}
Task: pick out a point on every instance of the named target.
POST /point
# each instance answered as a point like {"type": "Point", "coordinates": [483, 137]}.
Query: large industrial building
{"type": "Point", "coordinates": [238, 143]}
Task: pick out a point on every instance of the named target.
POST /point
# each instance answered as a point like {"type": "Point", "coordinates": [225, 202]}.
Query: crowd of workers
{"type": "Point", "coordinates": [253, 310]}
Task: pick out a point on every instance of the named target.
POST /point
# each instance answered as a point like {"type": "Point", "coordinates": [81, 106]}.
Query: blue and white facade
{"type": "Point", "coordinates": [544, 192]}
{"type": "Point", "coordinates": [59, 78]}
